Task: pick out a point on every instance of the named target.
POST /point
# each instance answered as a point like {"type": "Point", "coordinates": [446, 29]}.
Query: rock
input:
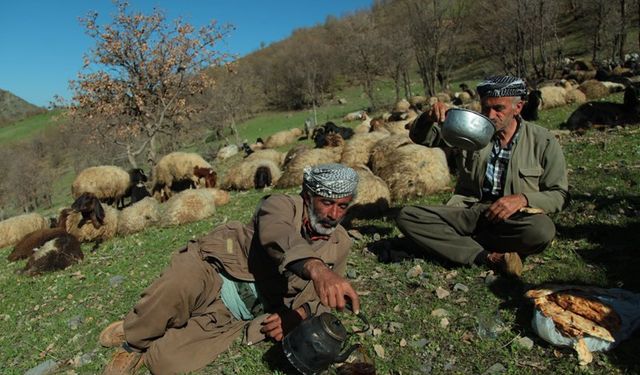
{"type": "Point", "coordinates": [115, 281]}
{"type": "Point", "coordinates": [415, 271]}
{"type": "Point", "coordinates": [47, 367]}
{"type": "Point", "coordinates": [403, 343]}
{"type": "Point", "coordinates": [352, 274]}
{"type": "Point", "coordinates": [439, 313]}
{"type": "Point", "coordinates": [461, 287]}
{"type": "Point", "coordinates": [376, 332]}
{"type": "Point", "coordinates": [75, 322]}
{"type": "Point", "coordinates": [444, 322]}
{"type": "Point", "coordinates": [442, 293]}
{"type": "Point", "coordinates": [496, 368]}
{"type": "Point", "coordinates": [379, 350]}
{"type": "Point", "coordinates": [376, 237]}
{"type": "Point", "coordinates": [525, 342]}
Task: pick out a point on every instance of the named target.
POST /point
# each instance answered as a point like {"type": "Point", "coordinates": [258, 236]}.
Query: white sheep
{"type": "Point", "coordinates": [138, 216]}
{"type": "Point", "coordinates": [373, 196]}
{"type": "Point", "coordinates": [178, 167]}
{"type": "Point", "coordinates": [108, 183]}
{"type": "Point", "coordinates": [553, 96]}
{"type": "Point", "coordinates": [188, 206]}
{"type": "Point", "coordinates": [414, 171]}
{"type": "Point", "coordinates": [292, 174]}
{"type": "Point", "coordinates": [242, 176]}
{"type": "Point", "coordinates": [283, 138]}
{"type": "Point", "coordinates": [15, 228]}
{"type": "Point", "coordinates": [227, 151]}
{"type": "Point", "coordinates": [358, 149]}
{"type": "Point", "coordinates": [267, 154]}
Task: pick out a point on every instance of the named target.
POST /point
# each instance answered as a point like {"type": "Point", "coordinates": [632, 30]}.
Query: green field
{"type": "Point", "coordinates": [28, 127]}
{"type": "Point", "coordinates": [58, 316]}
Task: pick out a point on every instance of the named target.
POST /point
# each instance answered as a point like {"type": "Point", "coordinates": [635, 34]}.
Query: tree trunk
{"type": "Point", "coordinates": [131, 157]}
{"type": "Point", "coordinates": [151, 151]}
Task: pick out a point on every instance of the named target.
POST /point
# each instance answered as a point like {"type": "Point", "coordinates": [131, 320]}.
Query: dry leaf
{"type": "Point", "coordinates": [403, 343]}
{"type": "Point", "coordinates": [442, 293]}
{"type": "Point", "coordinates": [444, 322]}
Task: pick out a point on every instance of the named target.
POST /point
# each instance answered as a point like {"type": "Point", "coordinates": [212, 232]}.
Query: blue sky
{"type": "Point", "coordinates": [42, 42]}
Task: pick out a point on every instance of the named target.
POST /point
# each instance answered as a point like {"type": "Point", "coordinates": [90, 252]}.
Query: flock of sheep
{"type": "Point", "coordinates": [183, 192]}
{"type": "Point", "coordinates": [183, 189]}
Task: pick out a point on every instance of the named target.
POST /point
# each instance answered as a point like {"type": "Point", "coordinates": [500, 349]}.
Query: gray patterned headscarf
{"type": "Point", "coordinates": [330, 180]}
{"type": "Point", "coordinates": [498, 86]}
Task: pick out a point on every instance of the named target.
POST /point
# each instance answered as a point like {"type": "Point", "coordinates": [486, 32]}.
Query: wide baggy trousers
{"type": "Point", "coordinates": [459, 234]}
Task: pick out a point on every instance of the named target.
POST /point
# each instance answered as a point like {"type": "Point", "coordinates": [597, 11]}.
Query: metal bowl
{"type": "Point", "coordinates": [467, 129]}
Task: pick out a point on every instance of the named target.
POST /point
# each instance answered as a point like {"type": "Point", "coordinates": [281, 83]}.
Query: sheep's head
{"type": "Point", "coordinates": [90, 208]}
{"type": "Point", "coordinates": [209, 175]}
{"type": "Point", "coordinates": [137, 176]}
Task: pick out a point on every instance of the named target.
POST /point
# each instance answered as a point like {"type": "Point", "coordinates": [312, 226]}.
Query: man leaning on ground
{"type": "Point", "coordinates": [497, 215]}
{"type": "Point", "coordinates": [260, 280]}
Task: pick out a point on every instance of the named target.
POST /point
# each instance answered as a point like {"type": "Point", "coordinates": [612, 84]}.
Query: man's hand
{"type": "Point", "coordinates": [437, 112]}
{"type": "Point", "coordinates": [331, 287]}
{"type": "Point", "coordinates": [504, 207]}
{"type": "Point", "coordinates": [278, 325]}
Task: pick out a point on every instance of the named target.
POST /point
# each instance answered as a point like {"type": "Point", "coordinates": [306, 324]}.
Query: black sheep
{"type": "Point", "coordinates": [530, 109]}
{"type": "Point", "coordinates": [606, 113]}
{"type": "Point", "coordinates": [320, 133]}
{"type": "Point", "coordinates": [262, 178]}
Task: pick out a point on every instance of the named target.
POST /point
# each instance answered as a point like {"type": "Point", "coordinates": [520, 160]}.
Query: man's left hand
{"type": "Point", "coordinates": [278, 325]}
{"type": "Point", "coordinates": [504, 207]}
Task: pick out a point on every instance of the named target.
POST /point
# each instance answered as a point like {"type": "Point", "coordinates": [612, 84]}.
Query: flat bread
{"type": "Point", "coordinates": [589, 308]}
{"type": "Point", "coordinates": [570, 323]}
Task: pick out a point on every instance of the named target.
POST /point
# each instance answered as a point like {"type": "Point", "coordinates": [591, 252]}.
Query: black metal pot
{"type": "Point", "coordinates": [317, 342]}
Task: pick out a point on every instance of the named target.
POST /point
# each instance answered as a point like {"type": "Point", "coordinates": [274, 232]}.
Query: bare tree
{"type": "Point", "coordinates": [434, 27]}
{"type": "Point", "coordinates": [145, 70]}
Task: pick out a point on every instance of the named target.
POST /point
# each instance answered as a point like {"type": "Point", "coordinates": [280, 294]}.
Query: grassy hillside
{"type": "Point", "coordinates": [25, 129]}
{"type": "Point", "coordinates": [57, 317]}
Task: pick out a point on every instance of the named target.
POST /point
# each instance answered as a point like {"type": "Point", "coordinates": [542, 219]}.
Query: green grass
{"type": "Point", "coordinates": [27, 128]}
{"type": "Point", "coordinates": [58, 316]}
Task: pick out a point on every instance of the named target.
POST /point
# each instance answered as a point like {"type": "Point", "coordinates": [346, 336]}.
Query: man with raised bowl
{"type": "Point", "coordinates": [497, 215]}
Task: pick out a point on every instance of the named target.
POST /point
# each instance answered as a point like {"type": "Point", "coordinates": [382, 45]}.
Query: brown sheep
{"type": "Point", "coordinates": [56, 254]}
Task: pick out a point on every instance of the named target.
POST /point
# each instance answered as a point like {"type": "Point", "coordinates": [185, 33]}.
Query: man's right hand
{"type": "Point", "coordinates": [331, 287]}
{"type": "Point", "coordinates": [437, 112]}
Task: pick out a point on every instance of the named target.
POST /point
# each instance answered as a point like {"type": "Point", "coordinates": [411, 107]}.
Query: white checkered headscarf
{"type": "Point", "coordinates": [330, 180]}
{"type": "Point", "coordinates": [498, 86]}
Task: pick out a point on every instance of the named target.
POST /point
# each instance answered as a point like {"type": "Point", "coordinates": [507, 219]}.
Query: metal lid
{"type": "Point", "coordinates": [333, 326]}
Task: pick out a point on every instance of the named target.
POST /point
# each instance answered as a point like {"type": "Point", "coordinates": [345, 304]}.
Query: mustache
{"type": "Point", "coordinates": [325, 221]}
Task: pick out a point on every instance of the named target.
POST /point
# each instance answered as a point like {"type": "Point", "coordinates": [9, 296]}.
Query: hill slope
{"type": "Point", "coordinates": [14, 108]}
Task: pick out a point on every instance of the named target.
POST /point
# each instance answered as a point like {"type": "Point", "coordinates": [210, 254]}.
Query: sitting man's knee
{"type": "Point", "coordinates": [540, 234]}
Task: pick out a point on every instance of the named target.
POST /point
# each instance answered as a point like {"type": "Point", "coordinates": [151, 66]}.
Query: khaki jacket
{"type": "Point", "coordinates": [537, 168]}
{"type": "Point", "coordinates": [262, 250]}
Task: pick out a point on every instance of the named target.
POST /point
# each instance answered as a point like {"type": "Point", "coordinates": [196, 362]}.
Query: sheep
{"type": "Point", "coordinates": [138, 216]}
{"type": "Point", "coordinates": [25, 247]}
{"type": "Point", "coordinates": [56, 254]}
{"type": "Point", "coordinates": [402, 106]}
{"type": "Point", "coordinates": [594, 89]}
{"type": "Point", "coordinates": [226, 152]}
{"type": "Point", "coordinates": [244, 174]}
{"type": "Point", "coordinates": [530, 109]}
{"type": "Point", "coordinates": [358, 149]}
{"type": "Point", "coordinates": [108, 183]}
{"type": "Point", "coordinates": [177, 167]}
{"type": "Point", "coordinates": [353, 116]}
{"type": "Point", "coordinates": [552, 96]}
{"type": "Point", "coordinates": [364, 126]}
{"type": "Point", "coordinates": [320, 133]}
{"type": "Point", "coordinates": [103, 220]}
{"type": "Point", "coordinates": [267, 154]}
{"type": "Point", "coordinates": [188, 206]}
{"type": "Point", "coordinates": [606, 113]}
{"type": "Point", "coordinates": [415, 171]}
{"type": "Point", "coordinates": [400, 127]}
{"type": "Point", "coordinates": [207, 174]}
{"type": "Point", "coordinates": [15, 228]}
{"type": "Point", "coordinates": [575, 96]}
{"type": "Point", "coordinates": [137, 189]}
{"type": "Point", "coordinates": [292, 174]}
{"type": "Point", "coordinates": [417, 101]}
{"type": "Point", "coordinates": [283, 138]}
{"type": "Point", "coordinates": [373, 196]}
{"type": "Point", "coordinates": [293, 152]}
{"type": "Point", "coordinates": [384, 147]}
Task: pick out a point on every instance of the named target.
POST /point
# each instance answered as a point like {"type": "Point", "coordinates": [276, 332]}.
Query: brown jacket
{"type": "Point", "coordinates": [189, 289]}
{"type": "Point", "coordinates": [262, 250]}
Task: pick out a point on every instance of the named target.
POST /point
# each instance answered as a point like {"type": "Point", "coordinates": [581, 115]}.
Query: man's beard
{"type": "Point", "coordinates": [318, 225]}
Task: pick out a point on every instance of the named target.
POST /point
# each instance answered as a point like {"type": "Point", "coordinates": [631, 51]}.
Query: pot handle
{"type": "Point", "coordinates": [361, 316]}
{"type": "Point", "coordinates": [343, 357]}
